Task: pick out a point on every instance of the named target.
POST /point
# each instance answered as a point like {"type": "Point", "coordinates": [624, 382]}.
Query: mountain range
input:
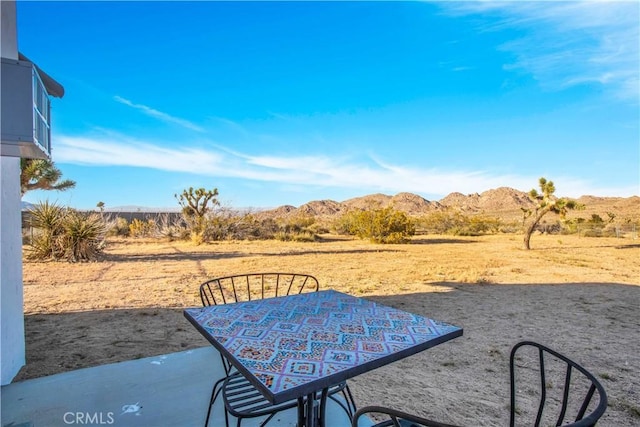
{"type": "Point", "coordinates": [504, 202]}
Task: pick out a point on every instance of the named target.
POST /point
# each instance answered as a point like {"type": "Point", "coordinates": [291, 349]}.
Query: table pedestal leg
{"type": "Point", "coordinates": [323, 407]}
{"type": "Point", "coordinates": [301, 408]}
{"type": "Point", "coordinates": [311, 410]}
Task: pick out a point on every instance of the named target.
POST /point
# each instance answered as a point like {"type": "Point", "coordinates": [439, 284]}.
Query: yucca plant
{"type": "Point", "coordinates": [46, 220]}
{"type": "Point", "coordinates": [64, 233]}
{"type": "Point", "coordinates": [83, 236]}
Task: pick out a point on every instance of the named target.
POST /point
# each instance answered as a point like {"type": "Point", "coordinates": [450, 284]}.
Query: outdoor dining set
{"type": "Point", "coordinates": [287, 345]}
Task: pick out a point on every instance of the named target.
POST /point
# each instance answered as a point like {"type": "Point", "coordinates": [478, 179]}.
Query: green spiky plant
{"type": "Point", "coordinates": [83, 236]}
{"type": "Point", "coordinates": [45, 219]}
{"type": "Point", "coordinates": [65, 234]}
{"type": "Point", "coordinates": [42, 174]}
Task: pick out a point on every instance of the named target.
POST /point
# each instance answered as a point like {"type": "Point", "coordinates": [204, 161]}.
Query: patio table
{"type": "Point", "coordinates": [295, 346]}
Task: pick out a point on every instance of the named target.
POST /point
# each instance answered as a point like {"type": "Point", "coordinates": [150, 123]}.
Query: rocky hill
{"type": "Point", "coordinates": [504, 202]}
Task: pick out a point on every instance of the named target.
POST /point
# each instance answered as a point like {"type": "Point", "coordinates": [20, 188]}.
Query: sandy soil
{"type": "Point", "coordinates": [577, 295]}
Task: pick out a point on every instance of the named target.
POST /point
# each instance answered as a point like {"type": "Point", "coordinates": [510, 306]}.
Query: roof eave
{"type": "Point", "coordinates": [53, 87]}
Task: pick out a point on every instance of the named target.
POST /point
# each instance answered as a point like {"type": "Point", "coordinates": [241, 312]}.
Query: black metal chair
{"type": "Point", "coordinates": [241, 398]}
{"type": "Point", "coordinates": [548, 366]}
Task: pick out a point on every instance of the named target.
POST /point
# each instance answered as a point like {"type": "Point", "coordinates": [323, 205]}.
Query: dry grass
{"type": "Point", "coordinates": [579, 295]}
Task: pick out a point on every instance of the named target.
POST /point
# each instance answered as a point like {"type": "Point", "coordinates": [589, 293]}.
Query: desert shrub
{"type": "Point", "coordinates": [65, 234]}
{"type": "Point", "coordinates": [295, 236]}
{"type": "Point", "coordinates": [318, 228]}
{"type": "Point", "coordinates": [304, 236]}
{"type": "Point", "coordinates": [139, 228]}
{"type": "Point", "coordinates": [510, 227]}
{"type": "Point", "coordinates": [592, 232]}
{"type": "Point", "coordinates": [118, 227]}
{"type": "Point", "coordinates": [381, 225]}
{"type": "Point", "coordinates": [252, 228]}
{"type": "Point", "coordinates": [459, 224]}
{"type": "Point", "coordinates": [227, 224]}
{"type": "Point", "coordinates": [45, 220]}
{"type": "Point", "coordinates": [196, 237]}
{"type": "Point", "coordinates": [281, 236]}
{"type": "Point", "coordinates": [342, 225]}
{"type": "Point", "coordinates": [592, 227]}
{"type": "Point", "coordinates": [171, 228]}
{"type": "Point", "coordinates": [298, 223]}
{"type": "Point", "coordinates": [301, 228]}
{"type": "Point", "coordinates": [217, 228]}
{"type": "Point", "coordinates": [265, 229]}
{"type": "Point", "coordinates": [83, 236]}
{"type": "Point", "coordinates": [478, 225]}
{"type": "Point", "coordinates": [443, 222]}
{"type": "Point", "coordinates": [574, 225]}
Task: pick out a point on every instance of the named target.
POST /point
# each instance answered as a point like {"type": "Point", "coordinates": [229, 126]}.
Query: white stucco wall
{"type": "Point", "coordinates": [9, 36]}
{"type": "Point", "coordinates": [12, 346]}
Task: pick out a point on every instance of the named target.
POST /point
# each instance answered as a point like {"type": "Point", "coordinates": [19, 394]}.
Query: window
{"type": "Point", "coordinates": [41, 111]}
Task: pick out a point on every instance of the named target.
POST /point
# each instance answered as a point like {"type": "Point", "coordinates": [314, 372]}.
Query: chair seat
{"type": "Point", "coordinates": [242, 399]}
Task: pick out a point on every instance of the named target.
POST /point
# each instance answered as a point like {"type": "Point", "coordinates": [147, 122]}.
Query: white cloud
{"type": "Point", "coordinates": [566, 44]}
{"type": "Point", "coordinates": [366, 174]}
{"type": "Point", "coordinates": [123, 151]}
{"type": "Point", "coordinates": [159, 114]}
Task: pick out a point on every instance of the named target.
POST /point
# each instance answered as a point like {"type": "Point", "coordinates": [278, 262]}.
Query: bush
{"type": "Point", "coordinates": [139, 228]}
{"type": "Point", "coordinates": [83, 237]}
{"type": "Point", "coordinates": [64, 233]}
{"type": "Point", "coordinates": [46, 222]}
{"type": "Point", "coordinates": [118, 227]}
{"type": "Point", "coordinates": [171, 229]}
{"type": "Point", "coordinates": [444, 222]}
{"type": "Point", "coordinates": [382, 225]}
{"type": "Point", "coordinates": [458, 224]}
{"type": "Point", "coordinates": [301, 228]}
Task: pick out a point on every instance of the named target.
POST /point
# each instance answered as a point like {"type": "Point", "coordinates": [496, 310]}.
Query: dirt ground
{"type": "Point", "coordinates": [580, 296]}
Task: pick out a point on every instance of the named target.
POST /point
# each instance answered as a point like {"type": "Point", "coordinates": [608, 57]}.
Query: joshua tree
{"type": "Point", "coordinates": [546, 202]}
{"type": "Point", "coordinates": [195, 205]}
{"type": "Point", "coordinates": [195, 202]}
{"type": "Point", "coordinates": [41, 174]}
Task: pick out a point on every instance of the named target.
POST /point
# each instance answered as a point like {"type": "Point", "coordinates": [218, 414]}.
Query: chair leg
{"type": "Point", "coordinates": [226, 417]}
{"type": "Point", "coordinates": [351, 403]}
{"type": "Point", "coordinates": [323, 407]}
{"type": "Point", "coordinates": [214, 395]}
{"type": "Point", "coordinates": [264, 423]}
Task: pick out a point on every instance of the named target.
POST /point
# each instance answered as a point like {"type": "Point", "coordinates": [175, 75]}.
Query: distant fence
{"type": "Point", "coordinates": [622, 230]}
{"type": "Point", "coordinates": [111, 216]}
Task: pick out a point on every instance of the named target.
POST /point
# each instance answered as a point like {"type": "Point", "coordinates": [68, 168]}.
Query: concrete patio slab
{"type": "Point", "coordinates": [171, 390]}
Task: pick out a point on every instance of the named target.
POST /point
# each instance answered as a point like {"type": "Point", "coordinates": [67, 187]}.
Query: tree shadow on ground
{"type": "Point", "coordinates": [439, 241]}
{"type": "Point", "coordinates": [177, 256]}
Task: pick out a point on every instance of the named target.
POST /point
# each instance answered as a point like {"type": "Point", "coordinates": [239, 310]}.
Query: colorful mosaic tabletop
{"type": "Point", "coordinates": [298, 344]}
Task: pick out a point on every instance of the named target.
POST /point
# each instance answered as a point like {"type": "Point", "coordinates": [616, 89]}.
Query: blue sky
{"type": "Point", "coordinates": [284, 103]}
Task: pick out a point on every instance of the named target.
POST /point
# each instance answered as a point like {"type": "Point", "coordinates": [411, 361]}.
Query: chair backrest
{"type": "Point", "coordinates": [565, 389]}
{"type": "Point", "coordinates": [252, 286]}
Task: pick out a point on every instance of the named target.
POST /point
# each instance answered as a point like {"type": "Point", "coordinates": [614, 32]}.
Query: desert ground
{"type": "Point", "coordinates": [578, 295]}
